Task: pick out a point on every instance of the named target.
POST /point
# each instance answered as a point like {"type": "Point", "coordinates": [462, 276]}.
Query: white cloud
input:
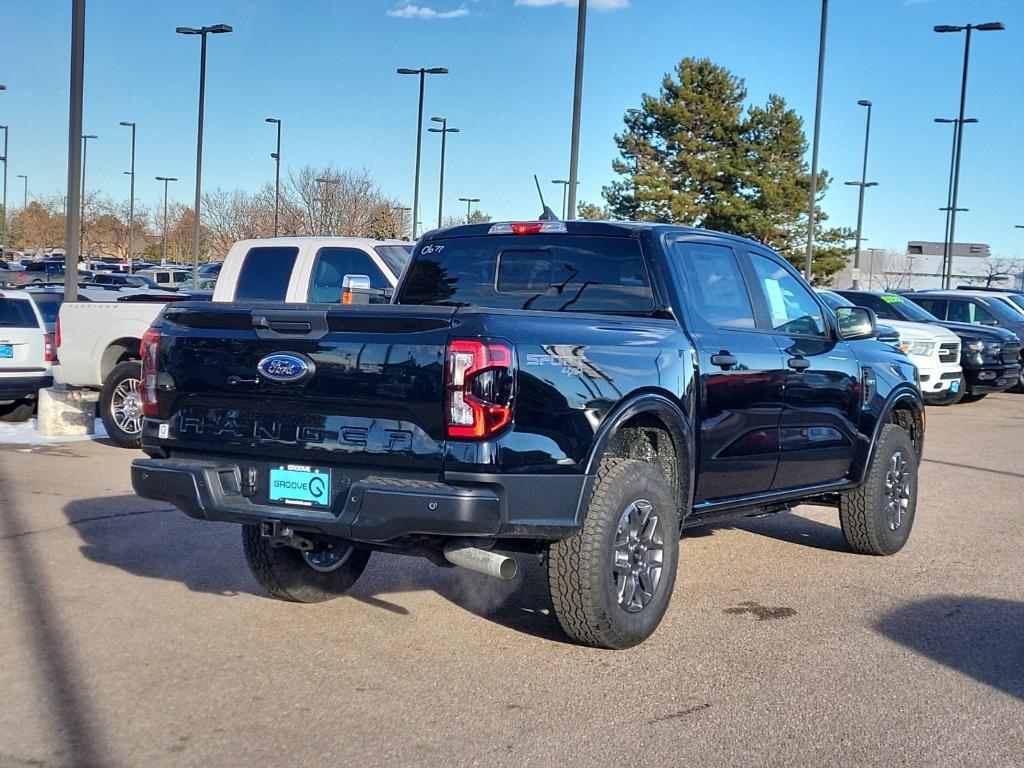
{"type": "Point", "coordinates": [600, 5]}
{"type": "Point", "coordinates": [412, 11]}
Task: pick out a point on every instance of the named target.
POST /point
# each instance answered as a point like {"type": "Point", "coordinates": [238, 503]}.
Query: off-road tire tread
{"type": "Point", "coordinates": [856, 506]}
{"type": "Point", "coordinates": [571, 560]}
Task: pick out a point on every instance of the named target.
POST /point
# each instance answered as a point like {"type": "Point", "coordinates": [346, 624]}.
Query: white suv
{"type": "Point", "coordinates": [26, 354]}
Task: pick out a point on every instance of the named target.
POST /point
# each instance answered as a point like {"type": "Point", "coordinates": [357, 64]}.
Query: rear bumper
{"type": "Point", "coordinates": [981, 381]}
{"type": "Point", "coordinates": [372, 509]}
{"type": "Point", "coordinates": [18, 387]}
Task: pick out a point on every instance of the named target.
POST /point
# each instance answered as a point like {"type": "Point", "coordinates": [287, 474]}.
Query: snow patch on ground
{"type": "Point", "coordinates": [25, 433]}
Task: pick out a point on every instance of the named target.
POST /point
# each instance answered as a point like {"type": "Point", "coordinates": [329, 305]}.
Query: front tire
{"type": "Point", "coordinates": [877, 517]}
{"type": "Point", "coordinates": [121, 406]}
{"type": "Point", "coordinates": [611, 582]}
{"type": "Point", "coordinates": [303, 577]}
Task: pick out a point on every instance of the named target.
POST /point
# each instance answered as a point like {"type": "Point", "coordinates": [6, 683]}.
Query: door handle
{"type": "Point", "coordinates": [724, 360]}
{"type": "Point", "coordinates": [798, 363]}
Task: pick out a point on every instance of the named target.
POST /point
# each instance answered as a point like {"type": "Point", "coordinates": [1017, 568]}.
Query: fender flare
{"type": "Point", "coordinates": [902, 393]}
{"type": "Point", "coordinates": [680, 430]}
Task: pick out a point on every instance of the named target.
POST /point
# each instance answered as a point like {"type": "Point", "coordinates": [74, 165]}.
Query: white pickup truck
{"type": "Point", "coordinates": [98, 344]}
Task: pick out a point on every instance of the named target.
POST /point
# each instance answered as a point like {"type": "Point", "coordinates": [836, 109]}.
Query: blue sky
{"type": "Point", "coordinates": [327, 69]}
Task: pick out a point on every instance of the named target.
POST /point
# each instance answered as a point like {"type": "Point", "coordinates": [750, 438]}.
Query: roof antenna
{"type": "Point", "coordinates": [547, 214]}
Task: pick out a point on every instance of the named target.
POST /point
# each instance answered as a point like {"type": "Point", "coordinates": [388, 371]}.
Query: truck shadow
{"type": "Point", "coordinates": [788, 527]}
{"type": "Point", "coordinates": [981, 637]}
{"type": "Point", "coordinates": [161, 543]}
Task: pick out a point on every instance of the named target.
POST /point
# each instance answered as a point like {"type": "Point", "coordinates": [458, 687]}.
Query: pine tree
{"type": "Point", "coordinates": [695, 155]}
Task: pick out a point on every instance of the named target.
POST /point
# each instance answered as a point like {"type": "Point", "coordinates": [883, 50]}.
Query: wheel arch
{"type": "Point", "coordinates": [904, 407]}
{"type": "Point", "coordinates": [651, 426]}
{"type": "Point", "coordinates": [118, 351]}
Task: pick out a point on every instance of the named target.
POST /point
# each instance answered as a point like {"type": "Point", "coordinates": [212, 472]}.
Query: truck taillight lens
{"type": "Point", "coordinates": [479, 383]}
{"type": "Point", "coordinates": [49, 351]}
{"type": "Point", "coordinates": [56, 334]}
{"type": "Point", "coordinates": [150, 351]}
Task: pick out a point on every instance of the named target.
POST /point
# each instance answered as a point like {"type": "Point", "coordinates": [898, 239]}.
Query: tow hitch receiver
{"type": "Point", "coordinates": [280, 535]}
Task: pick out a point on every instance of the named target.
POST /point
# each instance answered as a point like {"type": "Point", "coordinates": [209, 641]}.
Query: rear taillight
{"type": "Point", "coordinates": [49, 351]}
{"type": "Point", "coordinates": [150, 351]}
{"type": "Point", "coordinates": [479, 384]}
{"type": "Point", "coordinates": [56, 334]}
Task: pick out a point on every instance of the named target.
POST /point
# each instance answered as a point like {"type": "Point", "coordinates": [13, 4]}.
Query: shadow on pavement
{"type": "Point", "coordinates": [61, 680]}
{"type": "Point", "coordinates": [975, 468]}
{"type": "Point", "coordinates": [207, 557]}
{"type": "Point", "coordinates": [785, 526]}
{"type": "Point", "coordinates": [982, 637]}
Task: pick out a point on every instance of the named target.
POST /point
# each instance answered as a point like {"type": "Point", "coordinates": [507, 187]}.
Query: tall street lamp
{"type": "Point", "coordinates": [565, 191]}
{"type": "Point", "coordinates": [947, 258]}
{"type": "Point", "coordinates": [444, 130]}
{"type": "Point", "coordinates": [422, 72]}
{"type": "Point", "coordinates": [216, 29]}
{"type": "Point", "coordinates": [326, 181]}
{"type": "Point", "coordinates": [163, 243]}
{"type": "Point", "coordinates": [131, 201]}
{"type": "Point", "coordinates": [863, 184]}
{"type": "Point", "coordinates": [24, 203]}
{"type": "Point", "coordinates": [81, 215]}
{"type": "Point", "coordinates": [469, 202]}
{"type": "Point", "coordinates": [72, 222]}
{"type": "Point", "coordinates": [813, 196]}
{"type": "Point", "coordinates": [992, 26]}
{"type": "Point", "coordinates": [577, 105]}
{"type": "Point", "coordinates": [401, 210]}
{"type": "Point", "coordinates": [3, 226]}
{"type": "Point", "coordinates": [277, 172]}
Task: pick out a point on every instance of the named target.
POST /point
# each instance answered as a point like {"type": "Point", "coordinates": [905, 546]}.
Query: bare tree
{"type": "Point", "coordinates": [335, 202]}
{"type": "Point", "coordinates": [994, 272]}
{"type": "Point", "coordinates": [896, 272]}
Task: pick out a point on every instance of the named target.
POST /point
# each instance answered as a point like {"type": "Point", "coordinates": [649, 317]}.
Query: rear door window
{"type": "Point", "coordinates": [716, 285]}
{"type": "Point", "coordinates": [332, 264]}
{"type": "Point", "coordinates": [936, 306]}
{"type": "Point", "coordinates": [15, 313]}
{"type": "Point", "coordinates": [265, 274]}
{"type": "Point", "coordinates": [559, 273]}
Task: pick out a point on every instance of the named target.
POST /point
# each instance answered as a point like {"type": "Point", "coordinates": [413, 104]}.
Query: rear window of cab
{"type": "Point", "coordinates": [557, 273]}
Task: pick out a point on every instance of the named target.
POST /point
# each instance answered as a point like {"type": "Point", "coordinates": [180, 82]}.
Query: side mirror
{"type": "Point", "coordinates": [355, 289]}
{"type": "Point", "coordinates": [856, 323]}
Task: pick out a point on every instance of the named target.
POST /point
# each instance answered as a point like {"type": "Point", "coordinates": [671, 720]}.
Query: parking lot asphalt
{"type": "Point", "coordinates": [134, 636]}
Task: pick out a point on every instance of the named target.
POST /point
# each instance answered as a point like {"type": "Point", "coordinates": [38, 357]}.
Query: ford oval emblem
{"type": "Point", "coordinates": [284, 367]}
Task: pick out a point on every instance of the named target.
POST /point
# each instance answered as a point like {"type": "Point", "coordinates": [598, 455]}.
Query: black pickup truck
{"type": "Point", "coordinates": [580, 391]}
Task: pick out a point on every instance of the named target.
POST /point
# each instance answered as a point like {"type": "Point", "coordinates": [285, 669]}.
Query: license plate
{"type": "Point", "coordinates": [954, 386]}
{"type": "Point", "coordinates": [300, 486]}
{"type": "Point", "coordinates": [6, 351]}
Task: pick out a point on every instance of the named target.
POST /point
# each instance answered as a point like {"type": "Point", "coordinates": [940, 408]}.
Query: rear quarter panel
{"type": "Point", "coordinates": [88, 329]}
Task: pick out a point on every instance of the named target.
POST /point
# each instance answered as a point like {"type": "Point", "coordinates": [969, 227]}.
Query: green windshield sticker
{"type": "Point", "coordinates": [889, 298]}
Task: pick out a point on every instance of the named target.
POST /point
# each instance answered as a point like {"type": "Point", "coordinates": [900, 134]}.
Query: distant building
{"type": "Point", "coordinates": [930, 248]}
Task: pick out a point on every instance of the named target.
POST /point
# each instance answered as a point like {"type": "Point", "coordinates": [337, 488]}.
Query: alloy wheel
{"type": "Point", "coordinates": [637, 556]}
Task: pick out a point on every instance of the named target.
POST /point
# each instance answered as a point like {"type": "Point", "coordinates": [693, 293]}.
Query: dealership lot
{"type": "Point", "coordinates": [133, 635]}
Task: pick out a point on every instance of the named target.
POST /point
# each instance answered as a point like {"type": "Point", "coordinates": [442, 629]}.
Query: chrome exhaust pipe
{"type": "Point", "coordinates": [462, 552]}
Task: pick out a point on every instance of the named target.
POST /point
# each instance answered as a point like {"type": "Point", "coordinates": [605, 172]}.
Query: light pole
{"type": "Point", "coordinates": [81, 216]}
{"type": "Point", "coordinates": [131, 200]}
{"type": "Point", "coordinates": [444, 130]}
{"type": "Point", "coordinates": [993, 26]}
{"type": "Point", "coordinates": [871, 271]}
{"type": "Point", "coordinates": [812, 197]}
{"type": "Point", "coordinates": [3, 226]}
{"type": "Point", "coordinates": [163, 243]}
{"type": "Point", "coordinates": [863, 184]}
{"type": "Point", "coordinates": [577, 105]}
{"type": "Point", "coordinates": [277, 172]}
{"type": "Point", "coordinates": [947, 248]}
{"type": "Point", "coordinates": [72, 222]}
{"type": "Point", "coordinates": [422, 72]}
{"type": "Point", "coordinates": [326, 181]}
{"type": "Point", "coordinates": [216, 29]}
{"type": "Point", "coordinates": [469, 202]}
{"type": "Point", "coordinates": [24, 200]}
{"type": "Point", "coordinates": [565, 191]}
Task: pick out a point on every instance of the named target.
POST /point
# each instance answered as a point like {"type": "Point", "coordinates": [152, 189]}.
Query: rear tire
{"type": "Point", "coordinates": [19, 410]}
{"type": "Point", "coordinates": [611, 582]}
{"type": "Point", "coordinates": [877, 517]}
{"type": "Point", "coordinates": [300, 577]}
{"type": "Point", "coordinates": [120, 406]}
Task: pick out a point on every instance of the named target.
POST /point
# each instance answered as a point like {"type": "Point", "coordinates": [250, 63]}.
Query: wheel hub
{"type": "Point", "coordinates": [897, 490]}
{"type": "Point", "coordinates": [327, 557]}
{"type": "Point", "coordinates": [126, 406]}
{"type": "Point", "coordinates": [637, 556]}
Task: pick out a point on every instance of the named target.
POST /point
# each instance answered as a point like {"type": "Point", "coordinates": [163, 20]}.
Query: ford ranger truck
{"type": "Point", "coordinates": [581, 391]}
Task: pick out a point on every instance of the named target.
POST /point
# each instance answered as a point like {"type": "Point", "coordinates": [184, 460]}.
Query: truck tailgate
{"type": "Point", "coordinates": [369, 385]}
